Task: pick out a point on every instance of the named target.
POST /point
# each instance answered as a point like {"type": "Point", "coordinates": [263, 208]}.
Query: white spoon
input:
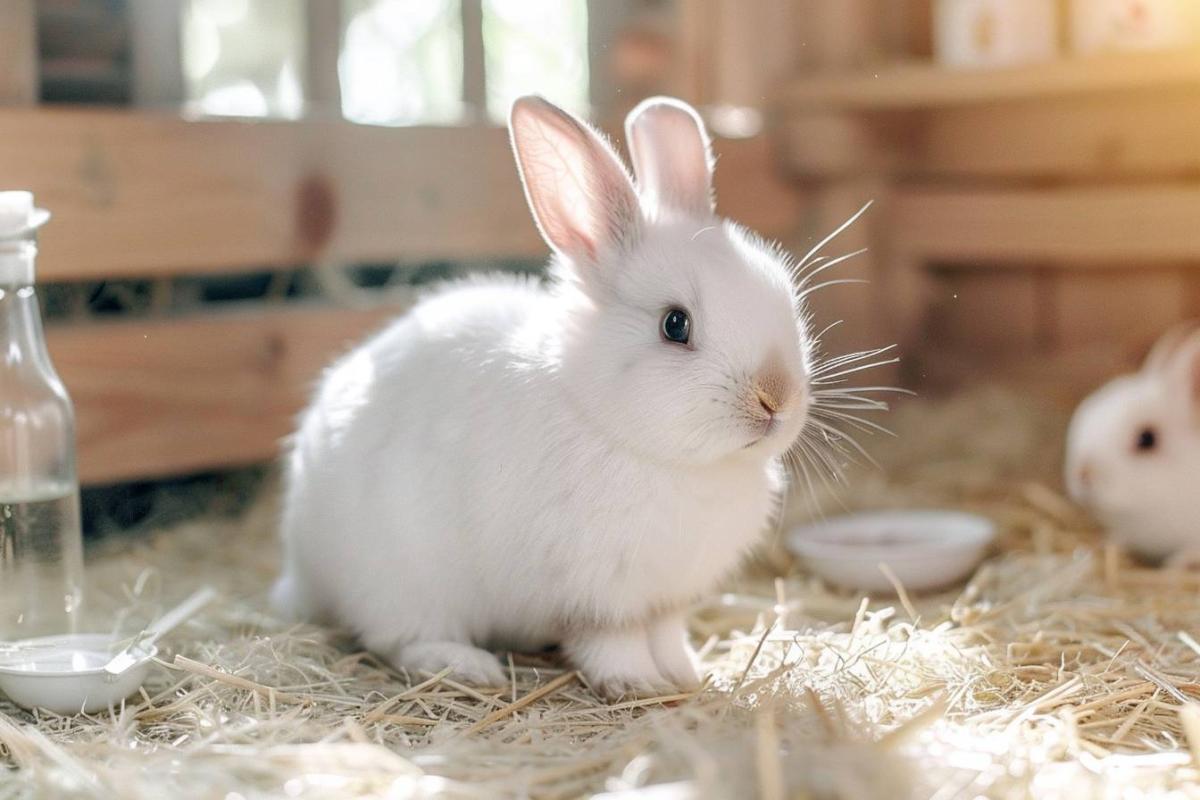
{"type": "Point", "coordinates": [167, 622]}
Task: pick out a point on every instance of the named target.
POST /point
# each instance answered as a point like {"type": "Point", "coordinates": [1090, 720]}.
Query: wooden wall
{"type": "Point", "coordinates": [1032, 216]}
{"type": "Point", "coordinates": [146, 193]}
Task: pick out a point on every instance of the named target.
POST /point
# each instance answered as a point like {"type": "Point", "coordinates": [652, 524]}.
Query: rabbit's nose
{"type": "Point", "coordinates": [773, 384]}
{"type": "Point", "coordinates": [1085, 479]}
{"type": "Point", "coordinates": [767, 401]}
{"type": "Point", "coordinates": [1087, 474]}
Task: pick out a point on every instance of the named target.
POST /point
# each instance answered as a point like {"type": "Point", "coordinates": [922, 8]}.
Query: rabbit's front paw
{"type": "Point", "coordinates": [469, 664]}
{"type": "Point", "coordinates": [673, 653]}
{"type": "Point", "coordinates": [618, 662]}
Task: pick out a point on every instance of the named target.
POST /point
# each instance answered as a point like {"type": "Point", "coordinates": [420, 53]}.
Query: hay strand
{"type": "Point", "coordinates": [510, 709]}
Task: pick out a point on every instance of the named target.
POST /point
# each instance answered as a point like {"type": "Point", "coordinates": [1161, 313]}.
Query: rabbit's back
{"type": "Point", "coordinates": [377, 460]}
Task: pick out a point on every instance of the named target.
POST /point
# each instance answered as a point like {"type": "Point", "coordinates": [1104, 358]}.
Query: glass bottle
{"type": "Point", "coordinates": [41, 542]}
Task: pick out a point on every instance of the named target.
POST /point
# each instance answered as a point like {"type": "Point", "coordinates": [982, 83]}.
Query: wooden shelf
{"type": "Point", "coordinates": [1085, 226]}
{"type": "Point", "coordinates": [923, 85]}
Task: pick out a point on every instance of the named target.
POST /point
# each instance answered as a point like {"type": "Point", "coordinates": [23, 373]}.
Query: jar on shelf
{"type": "Point", "coordinates": [995, 33]}
{"type": "Point", "coordinates": [1109, 26]}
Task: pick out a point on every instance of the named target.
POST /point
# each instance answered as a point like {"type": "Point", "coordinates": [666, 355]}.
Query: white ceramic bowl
{"type": "Point", "coordinates": [925, 549]}
{"type": "Point", "coordinates": [65, 674]}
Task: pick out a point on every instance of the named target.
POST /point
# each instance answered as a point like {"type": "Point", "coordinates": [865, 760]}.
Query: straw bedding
{"type": "Point", "coordinates": [1061, 670]}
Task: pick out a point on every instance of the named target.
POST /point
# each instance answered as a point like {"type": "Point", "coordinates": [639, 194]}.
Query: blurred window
{"type": "Point", "coordinates": [244, 57]}
{"type": "Point", "coordinates": [535, 46]}
{"type": "Point", "coordinates": [402, 62]}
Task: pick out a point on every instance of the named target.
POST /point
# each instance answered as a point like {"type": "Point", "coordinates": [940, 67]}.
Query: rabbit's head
{"type": "Point", "coordinates": [681, 334]}
{"type": "Point", "coordinates": [1133, 451]}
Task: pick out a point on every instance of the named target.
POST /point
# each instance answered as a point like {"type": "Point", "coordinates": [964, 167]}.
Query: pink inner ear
{"type": "Point", "coordinates": [579, 193]}
{"type": "Point", "coordinates": [671, 157]}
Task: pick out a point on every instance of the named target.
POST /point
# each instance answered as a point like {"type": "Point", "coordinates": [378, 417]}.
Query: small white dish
{"type": "Point", "coordinates": [66, 674]}
{"type": "Point", "coordinates": [87, 672]}
{"type": "Point", "coordinates": [925, 549]}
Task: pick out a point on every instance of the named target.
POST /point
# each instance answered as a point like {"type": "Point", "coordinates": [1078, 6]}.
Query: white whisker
{"type": "Point", "coordinates": [817, 338]}
{"type": "Point", "coordinates": [798, 466]}
{"type": "Point", "coordinates": [827, 284]}
{"type": "Point", "coordinates": [895, 389]}
{"type": "Point", "coordinates": [851, 370]}
{"type": "Point", "coordinates": [849, 358]}
{"type": "Point", "coordinates": [850, 440]}
{"type": "Point", "coordinates": [830, 264]}
{"type": "Point", "coordinates": [852, 420]}
{"type": "Point", "coordinates": [817, 248]}
{"type": "Point", "coordinates": [845, 405]}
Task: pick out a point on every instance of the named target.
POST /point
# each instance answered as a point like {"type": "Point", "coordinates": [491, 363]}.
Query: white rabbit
{"type": "Point", "coordinates": [1133, 453]}
{"type": "Point", "coordinates": [512, 465]}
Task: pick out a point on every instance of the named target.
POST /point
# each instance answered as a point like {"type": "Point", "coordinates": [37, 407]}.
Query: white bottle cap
{"type": "Point", "coordinates": [19, 216]}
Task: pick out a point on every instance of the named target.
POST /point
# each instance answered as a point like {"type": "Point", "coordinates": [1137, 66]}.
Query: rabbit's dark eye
{"type": "Point", "coordinates": [1147, 440]}
{"type": "Point", "coordinates": [676, 326]}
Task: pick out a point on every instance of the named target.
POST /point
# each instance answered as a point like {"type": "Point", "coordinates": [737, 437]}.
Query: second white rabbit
{"type": "Point", "coordinates": [1133, 453]}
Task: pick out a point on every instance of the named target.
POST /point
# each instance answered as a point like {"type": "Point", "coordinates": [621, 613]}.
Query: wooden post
{"type": "Point", "coordinates": [474, 79]}
{"type": "Point", "coordinates": [733, 53]}
{"type": "Point", "coordinates": [835, 37]}
{"type": "Point", "coordinates": [18, 53]}
{"type": "Point", "coordinates": [904, 293]}
{"type": "Point", "coordinates": [838, 36]}
{"type": "Point", "coordinates": [322, 87]}
{"type": "Point", "coordinates": [756, 47]}
{"type": "Point", "coordinates": [156, 33]}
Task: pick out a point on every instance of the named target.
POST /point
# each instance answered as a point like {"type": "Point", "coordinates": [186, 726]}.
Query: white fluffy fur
{"type": "Point", "coordinates": [511, 465]}
{"type": "Point", "coordinates": [1147, 500]}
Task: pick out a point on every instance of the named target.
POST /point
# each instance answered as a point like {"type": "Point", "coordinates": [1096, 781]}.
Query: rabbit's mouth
{"type": "Point", "coordinates": [755, 442]}
{"type": "Point", "coordinates": [767, 429]}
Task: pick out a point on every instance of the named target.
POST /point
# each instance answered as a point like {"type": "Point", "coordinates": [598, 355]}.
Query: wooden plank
{"type": "Point", "coordinates": [167, 397]}
{"type": "Point", "coordinates": [1127, 307]}
{"type": "Point", "coordinates": [1126, 135]}
{"type": "Point", "coordinates": [926, 85]}
{"type": "Point", "coordinates": [1142, 134]}
{"type": "Point", "coordinates": [986, 311]}
{"type": "Point", "coordinates": [18, 53]}
{"type": "Point", "coordinates": [1061, 377]}
{"type": "Point", "coordinates": [150, 193]}
{"type": "Point", "coordinates": [837, 144]}
{"type": "Point", "coordinates": [1089, 226]}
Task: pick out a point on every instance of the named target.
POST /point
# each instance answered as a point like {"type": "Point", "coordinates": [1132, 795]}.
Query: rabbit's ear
{"type": "Point", "coordinates": [1163, 354]}
{"type": "Point", "coordinates": [671, 155]}
{"type": "Point", "coordinates": [1183, 367]}
{"type": "Point", "coordinates": [579, 192]}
